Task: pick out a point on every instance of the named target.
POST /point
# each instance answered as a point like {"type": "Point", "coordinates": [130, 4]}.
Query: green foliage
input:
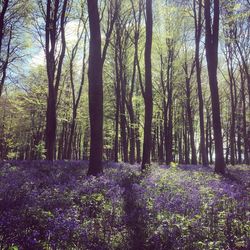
{"type": "Point", "coordinates": [173, 165]}
{"type": "Point", "coordinates": [40, 150]}
{"type": "Point", "coordinates": [13, 248]}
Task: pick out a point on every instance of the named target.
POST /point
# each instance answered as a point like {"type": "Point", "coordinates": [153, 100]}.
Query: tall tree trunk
{"type": "Point", "coordinates": [86, 137]}
{"type": "Point", "coordinates": [76, 98]}
{"type": "Point", "coordinates": [132, 133]}
{"type": "Point", "coordinates": [211, 43]}
{"type": "Point", "coordinates": [169, 127]}
{"type": "Point", "coordinates": [230, 70]}
{"type": "Point", "coordinates": [160, 142]}
{"type": "Point", "coordinates": [65, 140]}
{"type": "Point", "coordinates": [244, 128]}
{"type": "Point", "coordinates": [71, 134]}
{"type": "Point", "coordinates": [244, 65]}
{"type": "Point", "coordinates": [180, 148]}
{"type": "Point", "coordinates": [239, 144]}
{"type": "Point", "coordinates": [148, 88]}
{"type": "Point", "coordinates": [123, 119]}
{"type": "Point", "coordinates": [198, 29]}
{"type": "Point", "coordinates": [4, 7]}
{"type": "Point", "coordinates": [117, 111]}
{"type": "Point", "coordinates": [227, 144]}
{"type": "Point", "coordinates": [53, 29]}
{"type": "Point", "coordinates": [51, 124]}
{"type": "Point", "coordinates": [185, 137]}
{"type": "Point", "coordinates": [95, 91]}
{"type": "Point", "coordinates": [189, 113]}
{"type": "Point", "coordinates": [4, 62]}
{"type": "Point", "coordinates": [138, 145]}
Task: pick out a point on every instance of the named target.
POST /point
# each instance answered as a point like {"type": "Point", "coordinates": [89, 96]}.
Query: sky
{"type": "Point", "coordinates": [37, 55]}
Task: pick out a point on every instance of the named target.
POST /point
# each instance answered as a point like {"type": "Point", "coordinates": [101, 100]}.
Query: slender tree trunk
{"type": "Point", "coordinates": [85, 153]}
{"type": "Point", "coordinates": [4, 63]}
{"type": "Point", "coordinates": [132, 133]}
{"type": "Point", "coordinates": [169, 105]}
{"type": "Point", "coordinates": [147, 143]}
{"type": "Point", "coordinates": [138, 146]}
{"type": "Point", "coordinates": [198, 29]}
{"type": "Point", "coordinates": [118, 99]}
{"type": "Point", "coordinates": [71, 135]}
{"type": "Point", "coordinates": [244, 128]}
{"type": "Point", "coordinates": [80, 145]}
{"type": "Point", "coordinates": [95, 91]}
{"type": "Point", "coordinates": [211, 43]}
{"type": "Point", "coordinates": [60, 144]}
{"type": "Point", "coordinates": [185, 137]}
{"type": "Point", "coordinates": [169, 131]}
{"type": "Point", "coordinates": [4, 7]}
{"type": "Point", "coordinates": [232, 102]}
{"type": "Point", "coordinates": [180, 148]}
{"type": "Point", "coordinates": [51, 124]}
{"type": "Point", "coordinates": [239, 145]}
{"type": "Point", "coordinates": [65, 140]}
{"type": "Point", "coordinates": [123, 119]}
{"type": "Point", "coordinates": [245, 66]}
{"type": "Point", "coordinates": [210, 140]}
{"type": "Point", "coordinates": [160, 143]}
{"type": "Point", "coordinates": [76, 98]}
{"type": "Point", "coordinates": [190, 122]}
{"type": "Point", "coordinates": [53, 29]}
{"type": "Point", "coordinates": [227, 132]}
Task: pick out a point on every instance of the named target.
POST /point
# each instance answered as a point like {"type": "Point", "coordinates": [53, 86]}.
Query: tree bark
{"type": "Point", "coordinates": [189, 110]}
{"type": "Point", "coordinates": [95, 91]}
{"type": "Point", "coordinates": [53, 29]}
{"type": "Point", "coordinates": [244, 111]}
{"type": "Point", "coordinates": [198, 29]}
{"type": "Point", "coordinates": [211, 44]}
{"type": "Point", "coordinates": [147, 143]}
{"type": "Point", "coordinates": [118, 99]}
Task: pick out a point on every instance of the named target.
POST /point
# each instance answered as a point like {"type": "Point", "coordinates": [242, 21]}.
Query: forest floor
{"type": "Point", "coordinates": [45, 206]}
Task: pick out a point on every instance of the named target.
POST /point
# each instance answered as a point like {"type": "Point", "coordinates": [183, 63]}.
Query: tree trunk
{"type": "Point", "coordinates": [169, 129]}
{"type": "Point", "coordinates": [148, 88]}
{"type": "Point", "coordinates": [185, 137]}
{"type": "Point", "coordinates": [117, 111]}
{"type": "Point", "coordinates": [132, 133]}
{"type": "Point", "coordinates": [123, 120]}
{"type": "Point", "coordinates": [4, 63]}
{"type": "Point", "coordinates": [53, 29]}
{"type": "Point", "coordinates": [95, 91]}
{"type": "Point", "coordinates": [211, 43]}
{"type": "Point", "coordinates": [244, 127]}
{"type": "Point", "coordinates": [198, 29]}
{"type": "Point", "coordinates": [138, 145]}
{"type": "Point", "coordinates": [190, 122]}
{"type": "Point", "coordinates": [51, 124]}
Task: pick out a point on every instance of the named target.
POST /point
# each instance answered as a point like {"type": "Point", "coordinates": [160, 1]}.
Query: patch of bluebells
{"type": "Point", "coordinates": [190, 207]}
{"type": "Point", "coordinates": [44, 206]}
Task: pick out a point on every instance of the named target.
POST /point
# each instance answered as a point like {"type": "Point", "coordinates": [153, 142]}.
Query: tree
{"type": "Point", "coordinates": [129, 101]}
{"type": "Point", "coordinates": [13, 14]}
{"type": "Point", "coordinates": [55, 19]}
{"type": "Point", "coordinates": [148, 88]}
{"type": "Point", "coordinates": [188, 76]}
{"type": "Point", "coordinates": [121, 82]}
{"type": "Point", "coordinates": [95, 90]}
{"type": "Point", "coordinates": [76, 95]}
{"type": "Point", "coordinates": [198, 32]}
{"type": "Point", "coordinates": [211, 44]}
{"type": "Point", "coordinates": [4, 63]}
